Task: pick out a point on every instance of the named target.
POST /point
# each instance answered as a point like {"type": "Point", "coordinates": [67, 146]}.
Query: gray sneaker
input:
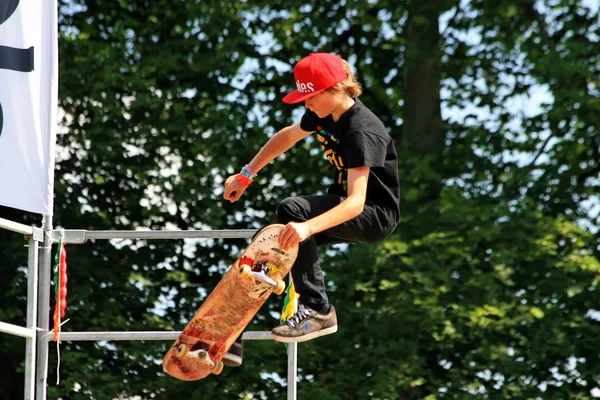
{"type": "Point", "coordinates": [233, 357]}
{"type": "Point", "coordinates": [305, 325]}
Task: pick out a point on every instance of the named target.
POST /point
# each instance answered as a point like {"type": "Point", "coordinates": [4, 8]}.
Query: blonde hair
{"type": "Point", "coordinates": [349, 85]}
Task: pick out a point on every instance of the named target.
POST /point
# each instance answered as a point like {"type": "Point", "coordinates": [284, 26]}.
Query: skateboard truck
{"type": "Point", "coordinates": [246, 270]}
{"type": "Point", "coordinates": [183, 350]}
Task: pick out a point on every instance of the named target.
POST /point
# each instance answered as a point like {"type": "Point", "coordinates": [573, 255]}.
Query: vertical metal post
{"type": "Point", "coordinates": [292, 378]}
{"type": "Point", "coordinates": [32, 298]}
{"type": "Point", "coordinates": [44, 309]}
{"type": "Point", "coordinates": [292, 375]}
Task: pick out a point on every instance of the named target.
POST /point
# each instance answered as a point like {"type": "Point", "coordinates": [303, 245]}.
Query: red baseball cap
{"type": "Point", "coordinates": [315, 73]}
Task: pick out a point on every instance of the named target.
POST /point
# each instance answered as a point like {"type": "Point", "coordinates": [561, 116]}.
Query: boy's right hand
{"type": "Point", "coordinates": [233, 189]}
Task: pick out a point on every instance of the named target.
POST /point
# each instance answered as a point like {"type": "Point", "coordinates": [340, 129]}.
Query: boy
{"type": "Point", "coordinates": [362, 204]}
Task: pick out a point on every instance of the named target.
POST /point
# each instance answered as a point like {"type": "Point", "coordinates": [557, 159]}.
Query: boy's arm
{"type": "Point", "coordinates": [354, 204]}
{"type": "Point", "coordinates": [277, 145]}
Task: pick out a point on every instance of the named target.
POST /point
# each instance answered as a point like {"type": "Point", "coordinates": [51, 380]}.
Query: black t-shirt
{"type": "Point", "coordinates": [359, 139]}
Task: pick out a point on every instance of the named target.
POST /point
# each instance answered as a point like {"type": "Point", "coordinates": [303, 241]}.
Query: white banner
{"type": "Point", "coordinates": [28, 103]}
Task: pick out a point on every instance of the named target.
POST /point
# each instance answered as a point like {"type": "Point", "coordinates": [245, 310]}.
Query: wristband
{"type": "Point", "coordinates": [247, 174]}
{"type": "Point", "coordinates": [244, 180]}
{"type": "Point", "coordinates": [247, 168]}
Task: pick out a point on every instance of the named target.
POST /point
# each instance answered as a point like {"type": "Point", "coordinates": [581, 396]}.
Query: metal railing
{"type": "Point", "coordinates": [38, 298]}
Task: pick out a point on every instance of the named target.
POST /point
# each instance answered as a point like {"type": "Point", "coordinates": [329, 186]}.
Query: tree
{"type": "Point", "coordinates": [485, 289]}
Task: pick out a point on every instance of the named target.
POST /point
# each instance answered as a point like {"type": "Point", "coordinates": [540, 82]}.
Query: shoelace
{"type": "Point", "coordinates": [299, 316]}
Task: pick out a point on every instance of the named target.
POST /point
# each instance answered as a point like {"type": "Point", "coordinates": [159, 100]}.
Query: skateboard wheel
{"type": "Point", "coordinates": [279, 288]}
{"type": "Point", "coordinates": [245, 271]}
{"type": "Point", "coordinates": [182, 351]}
{"type": "Point", "coordinates": [218, 368]}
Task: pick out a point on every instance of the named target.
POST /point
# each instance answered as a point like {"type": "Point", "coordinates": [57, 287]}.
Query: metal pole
{"type": "Point", "coordinates": [292, 375]}
{"type": "Point", "coordinates": [142, 335]}
{"type": "Point", "coordinates": [16, 227]}
{"type": "Point", "coordinates": [79, 236]}
{"type": "Point", "coordinates": [292, 372]}
{"type": "Point", "coordinates": [44, 309]}
{"type": "Point", "coordinates": [16, 330]}
{"type": "Point", "coordinates": [31, 343]}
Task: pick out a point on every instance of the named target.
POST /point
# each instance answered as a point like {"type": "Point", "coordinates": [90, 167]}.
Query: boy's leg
{"type": "Point", "coordinates": [307, 274]}
{"type": "Point", "coordinates": [316, 316]}
{"type": "Point", "coordinates": [371, 226]}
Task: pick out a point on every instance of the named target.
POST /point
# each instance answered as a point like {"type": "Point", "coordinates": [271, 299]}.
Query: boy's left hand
{"type": "Point", "coordinates": [294, 233]}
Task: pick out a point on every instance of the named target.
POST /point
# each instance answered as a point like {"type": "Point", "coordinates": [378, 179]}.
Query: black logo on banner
{"type": "Point", "coordinates": [10, 58]}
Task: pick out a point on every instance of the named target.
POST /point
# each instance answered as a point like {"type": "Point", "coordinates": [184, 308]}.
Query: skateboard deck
{"type": "Point", "coordinates": [259, 271]}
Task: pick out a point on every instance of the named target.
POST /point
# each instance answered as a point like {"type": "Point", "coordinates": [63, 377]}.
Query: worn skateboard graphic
{"type": "Point", "coordinates": [258, 272]}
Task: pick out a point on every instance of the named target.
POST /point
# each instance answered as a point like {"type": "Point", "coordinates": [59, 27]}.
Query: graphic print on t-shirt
{"type": "Point", "coordinates": [331, 147]}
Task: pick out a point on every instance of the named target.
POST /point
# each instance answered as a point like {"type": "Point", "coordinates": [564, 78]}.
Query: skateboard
{"type": "Point", "coordinates": [259, 271]}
